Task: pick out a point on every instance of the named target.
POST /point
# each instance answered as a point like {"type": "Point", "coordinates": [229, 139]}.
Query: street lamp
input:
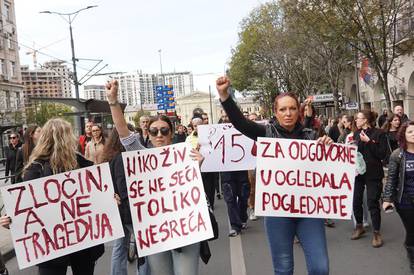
{"type": "Point", "coordinates": [70, 17]}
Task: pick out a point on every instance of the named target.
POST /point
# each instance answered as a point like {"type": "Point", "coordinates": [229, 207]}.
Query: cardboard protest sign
{"type": "Point", "coordinates": [167, 199]}
{"type": "Point", "coordinates": [302, 178]}
{"type": "Point", "coordinates": [225, 148]}
{"type": "Point", "coordinates": [61, 214]}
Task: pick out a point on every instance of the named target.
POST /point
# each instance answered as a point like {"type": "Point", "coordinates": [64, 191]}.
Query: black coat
{"type": "Point", "coordinates": [394, 188]}
{"type": "Point", "coordinates": [373, 151]}
{"type": "Point", "coordinates": [116, 166]}
{"type": "Point", "coordinates": [41, 168]}
{"type": "Point", "coordinates": [14, 162]}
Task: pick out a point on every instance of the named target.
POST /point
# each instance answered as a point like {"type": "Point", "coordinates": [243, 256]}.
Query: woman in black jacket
{"type": "Point", "coordinates": [391, 127]}
{"type": "Point", "coordinates": [281, 231]}
{"type": "Point", "coordinates": [371, 144]}
{"type": "Point", "coordinates": [56, 153]}
{"type": "Point", "coordinates": [399, 189]}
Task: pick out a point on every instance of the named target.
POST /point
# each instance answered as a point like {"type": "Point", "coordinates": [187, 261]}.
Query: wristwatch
{"type": "Point", "coordinates": [114, 103]}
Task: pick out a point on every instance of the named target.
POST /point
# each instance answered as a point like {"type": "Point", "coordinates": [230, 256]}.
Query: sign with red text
{"type": "Point", "coordinates": [167, 199]}
{"type": "Point", "coordinates": [61, 214]}
{"type": "Point", "coordinates": [225, 148]}
{"type": "Point", "coordinates": [303, 178]}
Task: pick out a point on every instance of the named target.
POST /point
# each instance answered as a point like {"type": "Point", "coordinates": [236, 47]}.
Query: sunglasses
{"type": "Point", "coordinates": [154, 131]}
{"type": "Point", "coordinates": [13, 137]}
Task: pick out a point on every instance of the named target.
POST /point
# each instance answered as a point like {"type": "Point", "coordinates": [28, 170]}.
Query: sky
{"type": "Point", "coordinates": [193, 35]}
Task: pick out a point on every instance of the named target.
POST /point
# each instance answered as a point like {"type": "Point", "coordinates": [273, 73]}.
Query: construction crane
{"type": "Point", "coordinates": [34, 51]}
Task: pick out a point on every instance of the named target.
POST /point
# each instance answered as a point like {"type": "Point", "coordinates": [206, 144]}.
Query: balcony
{"type": "Point", "coordinates": [405, 35]}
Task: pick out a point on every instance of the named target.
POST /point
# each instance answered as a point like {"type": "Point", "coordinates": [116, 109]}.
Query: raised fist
{"type": "Point", "coordinates": [112, 91]}
{"type": "Point", "coordinates": [222, 85]}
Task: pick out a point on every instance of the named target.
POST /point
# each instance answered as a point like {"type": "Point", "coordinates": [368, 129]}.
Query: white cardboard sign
{"type": "Point", "coordinates": [225, 148]}
{"type": "Point", "coordinates": [302, 178]}
{"type": "Point", "coordinates": [167, 199]}
{"type": "Point", "coordinates": [61, 214]}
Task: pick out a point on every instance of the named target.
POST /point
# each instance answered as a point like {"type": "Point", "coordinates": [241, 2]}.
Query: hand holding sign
{"type": "Point", "coordinates": [222, 85]}
{"type": "Point", "coordinates": [5, 221]}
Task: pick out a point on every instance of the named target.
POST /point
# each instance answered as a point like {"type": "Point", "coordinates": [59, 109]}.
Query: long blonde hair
{"type": "Point", "coordinates": [58, 145]}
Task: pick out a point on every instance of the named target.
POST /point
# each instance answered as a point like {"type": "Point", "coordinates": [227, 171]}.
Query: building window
{"type": "Point", "coordinates": [17, 99]}
{"type": "Point", "coordinates": [6, 12]}
{"type": "Point", "coordinates": [13, 69]}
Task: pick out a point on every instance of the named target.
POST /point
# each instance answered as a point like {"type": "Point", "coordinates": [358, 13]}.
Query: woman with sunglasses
{"type": "Point", "coordinates": [14, 158]}
{"type": "Point", "coordinates": [182, 261]}
{"type": "Point", "coordinates": [281, 230]}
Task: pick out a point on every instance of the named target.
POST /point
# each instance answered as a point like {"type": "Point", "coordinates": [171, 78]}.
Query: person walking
{"type": "Point", "coordinates": [391, 128]}
{"type": "Point", "coordinates": [56, 152]}
{"type": "Point", "coordinates": [14, 158]}
{"type": "Point", "coordinates": [371, 144]}
{"type": "Point", "coordinates": [399, 189]}
{"type": "Point", "coordinates": [94, 148]}
{"type": "Point", "coordinates": [112, 154]}
{"type": "Point", "coordinates": [282, 230]}
{"type": "Point", "coordinates": [30, 137]}
{"type": "Point", "coordinates": [84, 139]}
{"type": "Point", "coordinates": [181, 261]}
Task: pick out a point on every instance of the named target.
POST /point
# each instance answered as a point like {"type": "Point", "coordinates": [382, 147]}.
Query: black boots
{"type": "Point", "coordinates": [410, 255]}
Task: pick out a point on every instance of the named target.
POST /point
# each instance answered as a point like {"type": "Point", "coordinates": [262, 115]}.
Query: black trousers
{"type": "Point", "coordinates": [210, 180]}
{"type": "Point", "coordinates": [374, 190]}
{"type": "Point", "coordinates": [79, 267]}
{"type": "Point", "coordinates": [2, 265]}
{"type": "Point", "coordinates": [407, 218]}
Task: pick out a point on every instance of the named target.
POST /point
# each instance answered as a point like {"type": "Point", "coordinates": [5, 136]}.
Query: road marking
{"type": "Point", "coordinates": [238, 266]}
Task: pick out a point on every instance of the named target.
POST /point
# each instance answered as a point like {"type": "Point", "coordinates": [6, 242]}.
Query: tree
{"type": "Point", "coordinates": [42, 112]}
{"type": "Point", "coordinates": [370, 27]}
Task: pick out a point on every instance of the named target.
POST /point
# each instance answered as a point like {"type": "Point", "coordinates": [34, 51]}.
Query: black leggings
{"type": "Point", "coordinates": [407, 218]}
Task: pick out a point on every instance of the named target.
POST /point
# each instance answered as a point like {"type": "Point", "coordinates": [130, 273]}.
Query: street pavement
{"type": "Point", "coordinates": [249, 254]}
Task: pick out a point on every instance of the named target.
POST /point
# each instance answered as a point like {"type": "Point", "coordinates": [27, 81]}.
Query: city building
{"type": "Point", "coordinates": [51, 80]}
{"type": "Point", "coordinates": [201, 101]}
{"type": "Point", "coordinates": [94, 92]}
{"type": "Point", "coordinates": [11, 89]}
{"type": "Point", "coordinates": [138, 88]}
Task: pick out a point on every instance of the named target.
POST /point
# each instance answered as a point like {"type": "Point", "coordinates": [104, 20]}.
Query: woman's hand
{"type": "Point", "coordinates": [197, 156]}
{"type": "Point", "coordinates": [364, 136]}
{"type": "Point", "coordinates": [387, 204]}
{"type": "Point", "coordinates": [5, 221]}
{"type": "Point", "coordinates": [222, 85]}
{"type": "Point", "coordinates": [117, 199]}
{"type": "Point", "coordinates": [325, 140]}
{"type": "Point", "coordinates": [112, 91]}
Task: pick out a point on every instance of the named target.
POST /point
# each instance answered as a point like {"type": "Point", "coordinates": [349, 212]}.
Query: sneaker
{"type": "Point", "coordinates": [329, 223]}
{"type": "Point", "coordinates": [4, 272]}
{"type": "Point", "coordinates": [252, 216]}
{"type": "Point", "coordinates": [233, 233]}
{"type": "Point", "coordinates": [366, 224]}
{"type": "Point", "coordinates": [244, 225]}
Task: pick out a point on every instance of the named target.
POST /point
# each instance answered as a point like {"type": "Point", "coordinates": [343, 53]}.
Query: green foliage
{"type": "Point", "coordinates": [39, 113]}
{"type": "Point", "coordinates": [138, 115]}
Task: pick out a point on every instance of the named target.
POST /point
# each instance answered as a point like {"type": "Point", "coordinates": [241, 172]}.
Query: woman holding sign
{"type": "Point", "coordinates": [56, 152]}
{"type": "Point", "coordinates": [399, 190]}
{"type": "Point", "coordinates": [181, 261]}
{"type": "Point", "coordinates": [281, 231]}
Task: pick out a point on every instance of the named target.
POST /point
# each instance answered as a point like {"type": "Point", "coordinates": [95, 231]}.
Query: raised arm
{"type": "Point", "coordinates": [117, 115]}
{"type": "Point", "coordinates": [246, 127]}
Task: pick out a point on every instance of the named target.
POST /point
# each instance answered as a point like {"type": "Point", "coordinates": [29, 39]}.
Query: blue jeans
{"type": "Point", "coordinates": [236, 195]}
{"type": "Point", "coordinates": [311, 234]}
{"type": "Point", "coordinates": [173, 262]}
{"type": "Point", "coordinates": [119, 255]}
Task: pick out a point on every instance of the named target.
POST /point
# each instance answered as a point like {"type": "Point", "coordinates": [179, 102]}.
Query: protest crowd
{"type": "Point", "coordinates": [365, 142]}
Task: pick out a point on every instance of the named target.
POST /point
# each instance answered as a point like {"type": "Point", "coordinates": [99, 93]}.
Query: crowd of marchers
{"type": "Point", "coordinates": [385, 143]}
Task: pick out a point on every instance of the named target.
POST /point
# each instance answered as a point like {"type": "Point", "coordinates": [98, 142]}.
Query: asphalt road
{"type": "Point", "coordinates": [249, 253]}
